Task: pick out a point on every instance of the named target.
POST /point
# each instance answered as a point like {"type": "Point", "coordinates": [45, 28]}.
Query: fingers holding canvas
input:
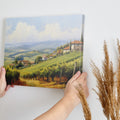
{"type": "Point", "coordinates": [8, 87]}
{"type": "Point", "coordinates": [2, 81]}
{"type": "Point", "coordinates": [12, 86]}
{"type": "Point", "coordinates": [75, 76]}
{"type": "Point", "coordinates": [0, 69]}
{"type": "Point", "coordinates": [3, 72]}
{"type": "Point", "coordinates": [83, 77]}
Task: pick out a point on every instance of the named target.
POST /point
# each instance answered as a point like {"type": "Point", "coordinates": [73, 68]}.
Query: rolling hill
{"type": "Point", "coordinates": [66, 58]}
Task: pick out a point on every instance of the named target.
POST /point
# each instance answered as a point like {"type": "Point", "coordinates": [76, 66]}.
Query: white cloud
{"type": "Point", "coordinates": [26, 33]}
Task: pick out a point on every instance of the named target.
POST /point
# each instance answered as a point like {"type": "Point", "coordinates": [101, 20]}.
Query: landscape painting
{"type": "Point", "coordinates": [43, 51]}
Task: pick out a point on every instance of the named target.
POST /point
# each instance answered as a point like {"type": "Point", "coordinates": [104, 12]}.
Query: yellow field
{"type": "Point", "coordinates": [37, 83]}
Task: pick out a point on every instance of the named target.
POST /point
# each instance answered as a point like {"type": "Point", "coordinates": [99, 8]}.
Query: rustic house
{"type": "Point", "coordinates": [66, 49]}
{"type": "Point", "coordinates": [44, 58]}
{"type": "Point", "coordinates": [75, 45]}
{"type": "Point", "coordinates": [25, 62]}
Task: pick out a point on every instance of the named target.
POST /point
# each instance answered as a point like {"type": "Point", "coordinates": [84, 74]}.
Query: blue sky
{"type": "Point", "coordinates": [65, 23]}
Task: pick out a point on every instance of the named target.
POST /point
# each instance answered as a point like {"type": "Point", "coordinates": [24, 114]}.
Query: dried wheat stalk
{"type": "Point", "coordinates": [108, 85]}
{"type": "Point", "coordinates": [86, 110]}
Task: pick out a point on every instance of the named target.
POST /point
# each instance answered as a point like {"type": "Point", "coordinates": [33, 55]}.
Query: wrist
{"type": "Point", "coordinates": [67, 105]}
{"type": "Point", "coordinates": [70, 101]}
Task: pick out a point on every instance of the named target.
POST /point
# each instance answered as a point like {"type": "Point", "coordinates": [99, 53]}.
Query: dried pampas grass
{"type": "Point", "coordinates": [86, 110]}
{"type": "Point", "coordinates": [108, 84]}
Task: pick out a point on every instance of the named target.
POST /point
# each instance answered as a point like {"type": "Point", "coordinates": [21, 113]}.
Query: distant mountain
{"type": "Point", "coordinates": [40, 46]}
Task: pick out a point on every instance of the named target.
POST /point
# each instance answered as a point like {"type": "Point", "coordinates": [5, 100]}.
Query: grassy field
{"type": "Point", "coordinates": [28, 55]}
{"type": "Point", "coordinates": [45, 69]}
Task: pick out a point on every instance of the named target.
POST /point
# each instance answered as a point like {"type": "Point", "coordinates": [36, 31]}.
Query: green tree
{"type": "Point", "coordinates": [19, 65]}
{"type": "Point", "coordinates": [47, 73]}
{"type": "Point", "coordinates": [16, 61]}
{"type": "Point", "coordinates": [34, 75]}
{"type": "Point", "coordinates": [42, 74]}
{"type": "Point", "coordinates": [38, 59]}
{"type": "Point", "coordinates": [11, 75]}
{"type": "Point", "coordinates": [69, 71]}
{"type": "Point", "coordinates": [19, 58]}
{"type": "Point", "coordinates": [38, 75]}
{"type": "Point", "coordinates": [15, 76]}
{"type": "Point", "coordinates": [52, 73]}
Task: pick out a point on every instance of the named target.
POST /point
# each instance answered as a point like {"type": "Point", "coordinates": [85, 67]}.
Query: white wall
{"type": "Point", "coordinates": [102, 22]}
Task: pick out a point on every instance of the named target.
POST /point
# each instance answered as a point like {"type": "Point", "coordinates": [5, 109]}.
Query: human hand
{"type": "Point", "coordinates": [64, 107]}
{"type": "Point", "coordinates": [71, 93]}
{"type": "Point", "coordinates": [3, 85]}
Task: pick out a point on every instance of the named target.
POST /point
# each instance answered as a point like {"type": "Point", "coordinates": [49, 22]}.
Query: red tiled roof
{"type": "Point", "coordinates": [67, 48]}
{"type": "Point", "coordinates": [52, 55]}
{"type": "Point", "coordinates": [44, 55]}
{"type": "Point", "coordinates": [32, 62]}
{"type": "Point", "coordinates": [25, 61]}
{"type": "Point", "coordinates": [11, 64]}
{"type": "Point", "coordinates": [76, 42]}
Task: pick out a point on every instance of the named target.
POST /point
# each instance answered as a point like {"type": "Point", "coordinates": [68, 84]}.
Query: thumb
{"type": "Point", "coordinates": [3, 72]}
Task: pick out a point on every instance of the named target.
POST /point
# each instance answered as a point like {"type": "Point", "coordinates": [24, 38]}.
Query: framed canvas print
{"type": "Point", "coordinates": [43, 51]}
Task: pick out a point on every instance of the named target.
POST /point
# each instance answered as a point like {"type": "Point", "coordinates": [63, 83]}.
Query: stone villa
{"type": "Point", "coordinates": [75, 45]}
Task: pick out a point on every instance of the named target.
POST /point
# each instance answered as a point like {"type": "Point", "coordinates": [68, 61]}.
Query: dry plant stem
{"type": "Point", "coordinates": [118, 74]}
{"type": "Point", "coordinates": [86, 110]}
{"type": "Point", "coordinates": [118, 82]}
{"type": "Point", "coordinates": [108, 88]}
{"type": "Point", "coordinates": [102, 94]}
